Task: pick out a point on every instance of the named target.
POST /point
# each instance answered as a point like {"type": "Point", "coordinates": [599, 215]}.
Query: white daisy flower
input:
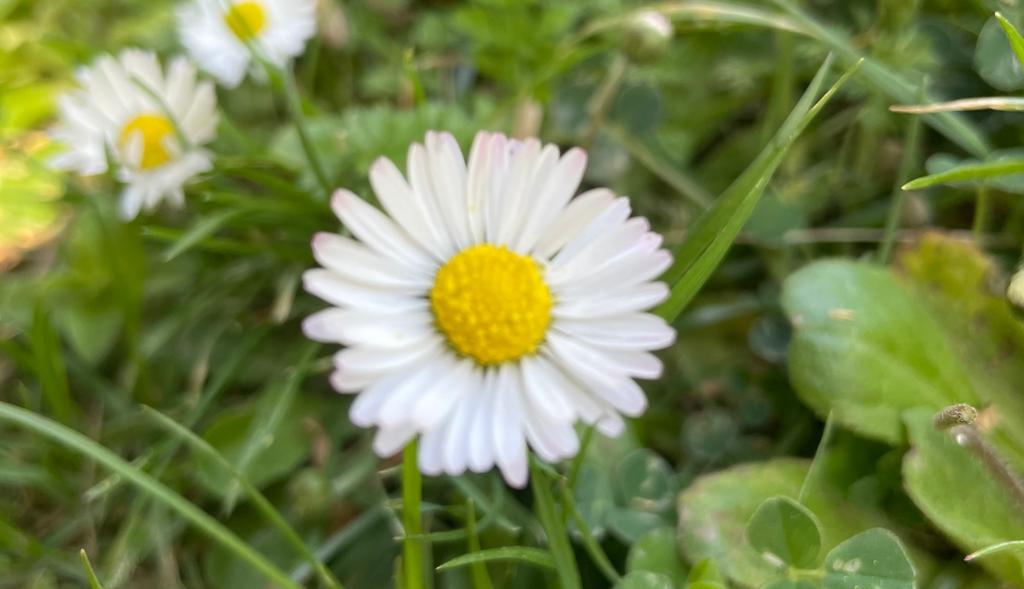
{"type": "Point", "coordinates": [150, 123]}
{"type": "Point", "coordinates": [217, 33]}
{"type": "Point", "coordinates": [486, 309]}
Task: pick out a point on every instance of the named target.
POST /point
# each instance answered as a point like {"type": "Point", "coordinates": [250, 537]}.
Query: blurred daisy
{"type": "Point", "coordinates": [217, 33]}
{"type": "Point", "coordinates": [149, 122]}
{"type": "Point", "coordinates": [486, 309]}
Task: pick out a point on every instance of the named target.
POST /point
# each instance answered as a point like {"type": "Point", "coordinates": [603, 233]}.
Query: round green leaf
{"type": "Point", "coordinates": [866, 349]}
{"type": "Point", "coordinates": [785, 532]}
{"type": "Point", "coordinates": [645, 580]}
{"type": "Point", "coordinates": [961, 497]}
{"type": "Point", "coordinates": [658, 552]}
{"type": "Point", "coordinates": [874, 558]}
{"type": "Point", "coordinates": [643, 481]}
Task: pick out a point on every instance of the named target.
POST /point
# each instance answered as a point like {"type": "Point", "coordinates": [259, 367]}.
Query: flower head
{"type": "Point", "coordinates": [487, 310]}
{"type": "Point", "coordinates": [151, 122]}
{"type": "Point", "coordinates": [219, 33]}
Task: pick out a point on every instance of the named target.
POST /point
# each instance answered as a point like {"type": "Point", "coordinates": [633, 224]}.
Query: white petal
{"type": "Point", "coordinates": [599, 250]}
{"type": "Point", "coordinates": [377, 231]}
{"type": "Point", "coordinates": [357, 263]}
{"type": "Point", "coordinates": [508, 209]}
{"type": "Point", "coordinates": [456, 448]}
{"type": "Point", "coordinates": [610, 218]}
{"type": "Point", "coordinates": [630, 299]}
{"type": "Point", "coordinates": [440, 398]}
{"type": "Point", "coordinates": [361, 366]}
{"type": "Point", "coordinates": [390, 440]}
{"type": "Point", "coordinates": [577, 216]}
{"type": "Point", "coordinates": [338, 290]}
{"type": "Point", "coordinates": [636, 331]}
{"type": "Point", "coordinates": [509, 440]}
{"type": "Point", "coordinates": [543, 392]}
{"type": "Point", "coordinates": [554, 195]}
{"type": "Point", "coordinates": [447, 172]}
{"type": "Point", "coordinates": [399, 408]}
{"type": "Point", "coordinates": [599, 378]}
{"type": "Point", "coordinates": [431, 452]}
{"type": "Point", "coordinates": [481, 445]}
{"type": "Point", "coordinates": [409, 208]}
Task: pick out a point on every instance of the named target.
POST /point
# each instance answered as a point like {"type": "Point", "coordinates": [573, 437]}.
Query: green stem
{"type": "Point", "coordinates": [910, 149]}
{"type": "Point", "coordinates": [477, 570]}
{"type": "Point", "coordinates": [819, 455]}
{"type": "Point", "coordinates": [981, 211]}
{"type": "Point", "coordinates": [590, 543]}
{"type": "Point", "coordinates": [603, 98]}
{"type": "Point", "coordinates": [412, 495]}
{"type": "Point", "coordinates": [294, 102]}
{"type": "Point", "coordinates": [554, 528]}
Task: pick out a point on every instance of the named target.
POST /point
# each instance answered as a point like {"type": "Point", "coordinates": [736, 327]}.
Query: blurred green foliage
{"type": "Point", "coordinates": [195, 313]}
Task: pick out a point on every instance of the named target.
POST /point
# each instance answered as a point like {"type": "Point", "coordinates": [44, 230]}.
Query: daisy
{"type": "Point", "coordinates": [151, 123]}
{"type": "Point", "coordinates": [219, 33]}
{"type": "Point", "coordinates": [486, 310]}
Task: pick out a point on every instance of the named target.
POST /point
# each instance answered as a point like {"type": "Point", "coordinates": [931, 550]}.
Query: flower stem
{"type": "Point", "coordinates": [554, 528]}
{"type": "Point", "coordinates": [294, 102]}
{"type": "Point", "coordinates": [412, 493]}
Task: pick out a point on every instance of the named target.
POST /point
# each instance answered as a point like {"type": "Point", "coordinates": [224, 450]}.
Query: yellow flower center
{"type": "Point", "coordinates": [491, 303]}
{"type": "Point", "coordinates": [246, 19]}
{"type": "Point", "coordinates": [154, 129]}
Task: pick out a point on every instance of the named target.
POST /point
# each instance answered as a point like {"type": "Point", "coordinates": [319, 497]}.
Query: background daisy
{"type": "Point", "coordinates": [152, 122]}
{"type": "Point", "coordinates": [488, 310]}
{"type": "Point", "coordinates": [216, 33]}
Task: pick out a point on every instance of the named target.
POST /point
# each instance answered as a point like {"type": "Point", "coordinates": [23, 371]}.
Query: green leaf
{"type": "Point", "coordinates": [158, 491]}
{"type": "Point", "coordinates": [534, 556]}
{"type": "Point", "coordinates": [712, 235]}
{"type": "Point", "coordinates": [714, 511]}
{"type": "Point", "coordinates": [954, 126]}
{"type": "Point", "coordinates": [865, 348]}
{"type": "Point", "coordinates": [1016, 41]}
{"type": "Point", "coordinates": [658, 552]}
{"type": "Point", "coordinates": [994, 58]}
{"type": "Point", "coordinates": [789, 584]}
{"type": "Point", "coordinates": [874, 558]}
{"type": "Point", "coordinates": [645, 580]}
{"type": "Point", "coordinates": [643, 481]}
{"type": "Point", "coordinates": [705, 571]}
{"type": "Point", "coordinates": [786, 533]}
{"type": "Point", "coordinates": [958, 493]}
{"type": "Point", "coordinates": [94, 582]}
{"type": "Point", "coordinates": [957, 281]}
{"type": "Point", "coordinates": [971, 171]}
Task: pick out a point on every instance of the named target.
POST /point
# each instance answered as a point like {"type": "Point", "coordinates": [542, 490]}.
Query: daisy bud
{"type": "Point", "coordinates": [647, 37]}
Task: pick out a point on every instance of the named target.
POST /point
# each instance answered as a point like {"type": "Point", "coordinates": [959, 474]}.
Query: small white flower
{"type": "Point", "coordinates": [487, 309]}
{"type": "Point", "coordinates": [152, 125]}
{"type": "Point", "coordinates": [216, 33]}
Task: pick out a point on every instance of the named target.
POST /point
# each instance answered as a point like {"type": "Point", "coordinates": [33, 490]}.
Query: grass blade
{"type": "Point", "coordinates": [478, 570]}
{"type": "Point", "coordinates": [712, 235]}
{"type": "Point", "coordinates": [534, 556]}
{"type": "Point", "coordinates": [203, 229]}
{"type": "Point", "coordinates": [266, 422]}
{"type": "Point", "coordinates": [953, 125]}
{"type": "Point", "coordinates": [200, 519]}
{"type": "Point", "coordinates": [590, 543]}
{"type": "Point", "coordinates": [48, 365]}
{"type": "Point", "coordinates": [1001, 103]}
{"type": "Point", "coordinates": [94, 583]}
{"type": "Point", "coordinates": [554, 527]}
{"type": "Point", "coordinates": [976, 171]}
{"type": "Point", "coordinates": [1002, 546]}
{"type": "Point", "coordinates": [1016, 42]}
{"type": "Point", "coordinates": [259, 499]}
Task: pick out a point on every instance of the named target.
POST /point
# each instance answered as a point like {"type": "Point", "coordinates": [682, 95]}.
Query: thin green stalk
{"type": "Point", "coordinates": [590, 543]}
{"type": "Point", "coordinates": [910, 148]}
{"type": "Point", "coordinates": [602, 101]}
{"type": "Point", "coordinates": [94, 582]}
{"type": "Point", "coordinates": [259, 499]}
{"type": "Point", "coordinates": [982, 211]}
{"type": "Point", "coordinates": [554, 527]}
{"type": "Point", "coordinates": [412, 497]}
{"type": "Point", "coordinates": [294, 101]}
{"type": "Point", "coordinates": [819, 456]}
{"type": "Point", "coordinates": [477, 570]}
{"type": "Point", "coordinates": [77, 442]}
